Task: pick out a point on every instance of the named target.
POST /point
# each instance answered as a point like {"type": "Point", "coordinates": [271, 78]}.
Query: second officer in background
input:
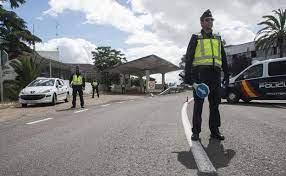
{"type": "Point", "coordinates": [95, 88]}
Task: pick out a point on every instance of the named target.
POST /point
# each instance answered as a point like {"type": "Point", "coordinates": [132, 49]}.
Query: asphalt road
{"type": "Point", "coordinates": [144, 137]}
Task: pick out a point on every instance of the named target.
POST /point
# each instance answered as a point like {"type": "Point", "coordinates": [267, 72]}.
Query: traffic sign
{"type": "Point", "coordinates": [152, 85]}
{"type": "Point", "coordinates": [202, 90]}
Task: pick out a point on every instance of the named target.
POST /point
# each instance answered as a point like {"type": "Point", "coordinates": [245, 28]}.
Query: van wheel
{"type": "Point", "coordinates": [54, 101]}
{"type": "Point", "coordinates": [67, 98]}
{"type": "Point", "coordinates": [24, 105]}
{"type": "Point", "coordinates": [232, 97]}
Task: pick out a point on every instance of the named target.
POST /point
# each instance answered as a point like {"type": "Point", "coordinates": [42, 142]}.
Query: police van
{"type": "Point", "coordinates": [263, 80]}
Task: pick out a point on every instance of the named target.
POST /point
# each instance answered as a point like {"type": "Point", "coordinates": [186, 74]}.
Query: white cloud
{"type": "Point", "coordinates": [71, 50]}
{"type": "Point", "coordinates": [137, 6]}
{"type": "Point", "coordinates": [107, 12]}
{"type": "Point", "coordinates": [164, 27]}
{"type": "Point", "coordinates": [177, 21]}
{"type": "Point", "coordinates": [143, 37]}
{"type": "Point", "coordinates": [170, 53]}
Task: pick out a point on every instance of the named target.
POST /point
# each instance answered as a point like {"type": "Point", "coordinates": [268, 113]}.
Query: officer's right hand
{"type": "Point", "coordinates": [194, 84]}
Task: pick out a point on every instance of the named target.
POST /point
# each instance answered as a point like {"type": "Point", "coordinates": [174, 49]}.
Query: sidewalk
{"type": "Point", "coordinates": [14, 111]}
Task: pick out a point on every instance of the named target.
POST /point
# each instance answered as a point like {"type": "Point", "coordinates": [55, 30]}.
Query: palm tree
{"type": "Point", "coordinates": [27, 69]}
{"type": "Point", "coordinates": [274, 32]}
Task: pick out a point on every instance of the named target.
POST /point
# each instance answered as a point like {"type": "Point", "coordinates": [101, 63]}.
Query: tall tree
{"type": "Point", "coordinates": [14, 3]}
{"type": "Point", "coordinates": [274, 32]}
{"type": "Point", "coordinates": [14, 32]}
{"type": "Point", "coordinates": [106, 57]}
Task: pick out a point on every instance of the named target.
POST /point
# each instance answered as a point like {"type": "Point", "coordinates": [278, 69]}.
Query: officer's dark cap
{"type": "Point", "coordinates": [206, 14]}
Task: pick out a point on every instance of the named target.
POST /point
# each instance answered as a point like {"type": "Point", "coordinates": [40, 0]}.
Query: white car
{"type": "Point", "coordinates": [44, 90]}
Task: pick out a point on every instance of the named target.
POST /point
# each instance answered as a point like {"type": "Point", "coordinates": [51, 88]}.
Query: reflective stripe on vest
{"type": "Point", "coordinates": [94, 83]}
{"type": "Point", "coordinates": [77, 80]}
{"type": "Point", "coordinates": [207, 51]}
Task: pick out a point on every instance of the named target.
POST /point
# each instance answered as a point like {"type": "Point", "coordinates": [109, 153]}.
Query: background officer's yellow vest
{"type": "Point", "coordinates": [207, 50]}
{"type": "Point", "coordinates": [94, 83]}
{"type": "Point", "coordinates": [77, 80]}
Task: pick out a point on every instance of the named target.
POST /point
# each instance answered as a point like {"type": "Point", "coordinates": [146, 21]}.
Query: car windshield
{"type": "Point", "coordinates": [42, 82]}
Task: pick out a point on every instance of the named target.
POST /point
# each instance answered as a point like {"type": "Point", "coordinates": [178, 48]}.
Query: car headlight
{"type": "Point", "coordinates": [46, 91]}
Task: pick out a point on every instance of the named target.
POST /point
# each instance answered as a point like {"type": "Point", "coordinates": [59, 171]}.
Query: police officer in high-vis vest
{"type": "Point", "coordinates": [95, 87]}
{"type": "Point", "coordinates": [205, 59]}
{"type": "Point", "coordinates": [77, 82]}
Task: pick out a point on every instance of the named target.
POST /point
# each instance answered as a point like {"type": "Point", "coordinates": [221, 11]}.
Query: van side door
{"type": "Point", "coordinates": [275, 83]}
{"type": "Point", "coordinates": [248, 82]}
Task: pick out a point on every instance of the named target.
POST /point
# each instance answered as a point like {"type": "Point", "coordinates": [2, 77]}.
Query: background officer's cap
{"type": "Point", "coordinates": [206, 14]}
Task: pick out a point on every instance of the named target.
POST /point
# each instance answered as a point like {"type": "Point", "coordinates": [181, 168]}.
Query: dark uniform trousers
{"type": "Point", "coordinates": [93, 90]}
{"type": "Point", "coordinates": [76, 89]}
{"type": "Point", "coordinates": [210, 76]}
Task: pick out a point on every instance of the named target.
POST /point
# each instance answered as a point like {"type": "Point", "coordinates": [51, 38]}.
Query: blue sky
{"type": "Point", "coordinates": [70, 24]}
{"type": "Point", "coordinates": [138, 27]}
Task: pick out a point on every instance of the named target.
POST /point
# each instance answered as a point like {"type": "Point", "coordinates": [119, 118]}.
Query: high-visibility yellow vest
{"type": "Point", "coordinates": [208, 51]}
{"type": "Point", "coordinates": [94, 83]}
{"type": "Point", "coordinates": [77, 80]}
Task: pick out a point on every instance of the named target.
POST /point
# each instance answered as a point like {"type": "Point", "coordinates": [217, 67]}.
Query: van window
{"type": "Point", "coordinates": [253, 72]}
{"type": "Point", "coordinates": [277, 68]}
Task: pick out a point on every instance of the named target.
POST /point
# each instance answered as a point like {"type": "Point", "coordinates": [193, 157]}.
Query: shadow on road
{"type": "Point", "coordinates": [219, 157]}
{"type": "Point", "coordinates": [40, 105]}
{"type": "Point", "coordinates": [259, 104]}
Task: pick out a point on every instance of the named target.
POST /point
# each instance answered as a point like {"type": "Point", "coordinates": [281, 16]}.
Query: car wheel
{"type": "Point", "coordinates": [67, 97]}
{"type": "Point", "coordinates": [54, 101]}
{"type": "Point", "coordinates": [232, 97]}
{"type": "Point", "coordinates": [24, 105]}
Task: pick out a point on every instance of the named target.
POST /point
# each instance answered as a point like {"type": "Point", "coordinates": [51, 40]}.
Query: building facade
{"type": "Point", "coordinates": [248, 50]}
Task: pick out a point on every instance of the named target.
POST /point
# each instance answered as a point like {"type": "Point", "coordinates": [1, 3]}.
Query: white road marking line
{"type": "Point", "coordinates": [279, 106]}
{"type": "Point", "coordinates": [120, 102]}
{"type": "Point", "coordinates": [203, 162]}
{"type": "Point", "coordinates": [131, 100]}
{"type": "Point", "coordinates": [105, 105]}
{"type": "Point", "coordinates": [186, 123]}
{"type": "Point", "coordinates": [82, 110]}
{"type": "Point", "coordinates": [30, 123]}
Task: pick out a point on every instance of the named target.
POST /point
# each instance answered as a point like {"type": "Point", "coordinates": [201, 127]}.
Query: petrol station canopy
{"type": "Point", "coordinates": [138, 67]}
